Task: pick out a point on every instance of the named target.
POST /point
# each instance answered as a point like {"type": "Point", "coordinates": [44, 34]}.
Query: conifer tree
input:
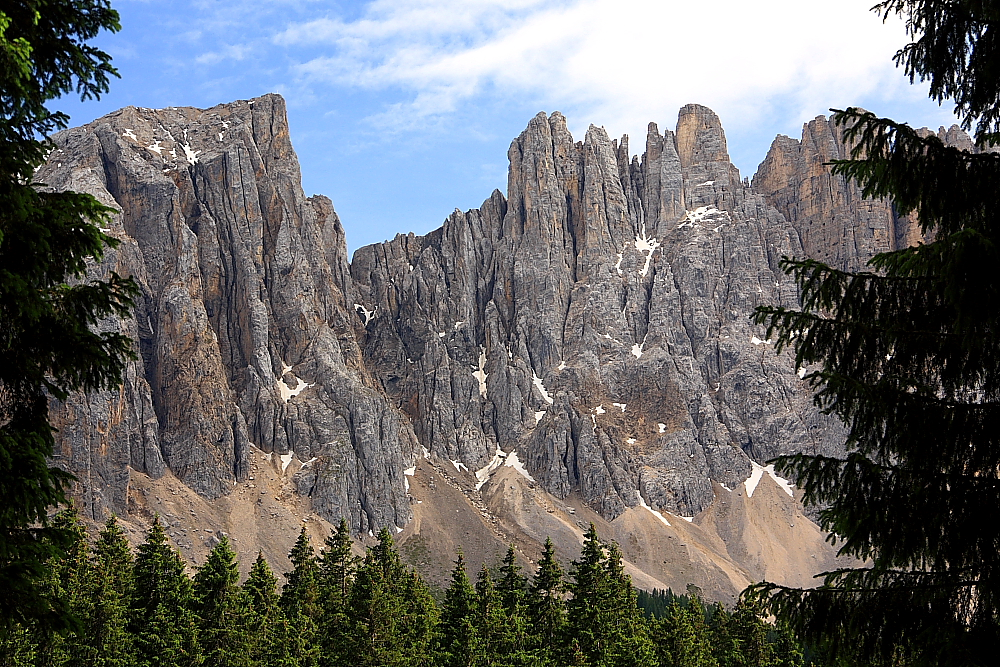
{"type": "Point", "coordinates": [682, 637]}
{"type": "Point", "coordinates": [337, 568]}
{"type": "Point", "coordinates": [109, 644]}
{"type": "Point", "coordinates": [506, 604]}
{"type": "Point", "coordinates": [48, 344]}
{"type": "Point", "coordinates": [392, 613]}
{"type": "Point", "coordinates": [67, 583]}
{"type": "Point", "coordinates": [457, 637]}
{"type": "Point", "coordinates": [163, 624]}
{"type": "Point", "coordinates": [546, 605]}
{"type": "Point", "coordinates": [512, 585]}
{"type": "Point", "coordinates": [908, 356]}
{"type": "Point", "coordinates": [265, 621]}
{"type": "Point", "coordinates": [223, 611]}
{"type": "Point", "coordinates": [300, 602]}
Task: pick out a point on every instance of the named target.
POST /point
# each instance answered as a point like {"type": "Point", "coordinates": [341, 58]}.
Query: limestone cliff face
{"type": "Point", "coordinates": [244, 333]}
{"type": "Point", "coordinates": [580, 347]}
{"type": "Point", "coordinates": [596, 321]}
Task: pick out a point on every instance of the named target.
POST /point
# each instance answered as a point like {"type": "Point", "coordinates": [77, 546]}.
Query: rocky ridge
{"type": "Point", "coordinates": [577, 350]}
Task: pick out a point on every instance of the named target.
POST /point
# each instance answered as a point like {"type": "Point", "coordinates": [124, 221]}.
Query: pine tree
{"type": "Point", "coordinates": [113, 583]}
{"type": "Point", "coordinates": [504, 615]}
{"type": "Point", "coordinates": [588, 586]}
{"type": "Point", "coordinates": [546, 606]}
{"type": "Point", "coordinates": [512, 585]}
{"type": "Point", "coordinates": [626, 633]}
{"type": "Point", "coordinates": [48, 345]}
{"type": "Point", "coordinates": [908, 356]}
{"type": "Point", "coordinates": [682, 637]}
{"type": "Point", "coordinates": [300, 602]}
{"type": "Point", "coordinates": [392, 613]}
{"type": "Point", "coordinates": [223, 611]}
{"type": "Point", "coordinates": [337, 568]}
{"type": "Point", "coordinates": [265, 622]}
{"type": "Point", "coordinates": [457, 638]}
{"type": "Point", "coordinates": [162, 621]}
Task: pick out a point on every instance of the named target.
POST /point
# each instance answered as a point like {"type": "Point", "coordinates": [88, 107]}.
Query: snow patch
{"type": "Point", "coordinates": [398, 530]}
{"type": "Point", "coordinates": [483, 474]}
{"type": "Point", "coordinates": [411, 471]}
{"type": "Point", "coordinates": [642, 503]}
{"type": "Point", "coordinates": [758, 341]}
{"type": "Point", "coordinates": [459, 465]}
{"type": "Point", "coordinates": [618, 264]}
{"type": "Point", "coordinates": [192, 156]}
{"type": "Point", "coordinates": [369, 315]}
{"type": "Point", "coordinates": [620, 405]}
{"type": "Point", "coordinates": [130, 134]}
{"type": "Point", "coordinates": [689, 519]}
{"type": "Point", "coordinates": [309, 462]}
{"type": "Point", "coordinates": [539, 415]}
{"type": "Point", "coordinates": [537, 381]}
{"type": "Point", "coordinates": [480, 373]}
{"type": "Point", "coordinates": [700, 215]}
{"type": "Point", "coordinates": [155, 147]}
{"type": "Point", "coordinates": [600, 410]}
{"type": "Point", "coordinates": [705, 184]}
{"type": "Point", "coordinates": [441, 334]}
{"type": "Point", "coordinates": [637, 348]}
{"type": "Point", "coordinates": [646, 245]}
{"type": "Point", "coordinates": [458, 325]}
{"type": "Point", "coordinates": [287, 393]}
{"type": "Point", "coordinates": [801, 373]}
{"type": "Point", "coordinates": [220, 136]}
{"type": "Point", "coordinates": [758, 472]}
{"type": "Point", "coordinates": [662, 428]}
{"type": "Point", "coordinates": [513, 462]}
{"type": "Point", "coordinates": [561, 366]}
{"type": "Point", "coordinates": [631, 441]}
{"type": "Point", "coordinates": [285, 460]}
{"type": "Point", "coordinates": [427, 453]}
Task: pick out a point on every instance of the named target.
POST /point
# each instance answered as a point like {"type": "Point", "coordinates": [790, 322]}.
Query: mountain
{"type": "Point", "coordinates": [578, 350]}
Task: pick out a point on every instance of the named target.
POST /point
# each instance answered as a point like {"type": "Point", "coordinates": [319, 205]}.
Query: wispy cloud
{"type": "Point", "coordinates": [619, 62]}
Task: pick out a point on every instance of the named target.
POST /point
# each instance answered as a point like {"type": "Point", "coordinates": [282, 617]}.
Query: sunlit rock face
{"type": "Point", "coordinates": [579, 348]}
{"type": "Point", "coordinates": [596, 321]}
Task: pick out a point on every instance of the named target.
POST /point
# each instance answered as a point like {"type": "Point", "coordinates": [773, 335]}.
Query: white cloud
{"type": "Point", "coordinates": [619, 63]}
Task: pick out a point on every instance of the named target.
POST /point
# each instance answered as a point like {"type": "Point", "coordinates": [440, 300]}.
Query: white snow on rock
{"type": "Point", "coordinates": [620, 405]}
{"type": "Point", "coordinates": [637, 348]}
{"type": "Point", "coordinates": [689, 519]}
{"type": "Point", "coordinates": [369, 315]}
{"type": "Point", "coordinates": [758, 341]}
{"type": "Point", "coordinates": [192, 156]}
{"type": "Point", "coordinates": [630, 441]}
{"type": "Point", "coordinates": [459, 465]}
{"type": "Point", "coordinates": [642, 503]}
{"type": "Point", "coordinates": [801, 373]}
{"type": "Point", "coordinates": [309, 462]}
{"type": "Point", "coordinates": [513, 462]}
{"type": "Point", "coordinates": [480, 373]}
{"type": "Point", "coordinates": [600, 410]}
{"type": "Point", "coordinates": [458, 325]}
{"type": "Point", "coordinates": [427, 453]}
{"type": "Point", "coordinates": [758, 472]}
{"type": "Point", "coordinates": [618, 264]}
{"type": "Point", "coordinates": [483, 474]}
{"type": "Point", "coordinates": [537, 381]}
{"type": "Point", "coordinates": [702, 214]}
{"type": "Point", "coordinates": [411, 471]}
{"type": "Point", "coordinates": [130, 134]}
{"type": "Point", "coordinates": [539, 415]}
{"type": "Point", "coordinates": [155, 147]}
{"type": "Point", "coordinates": [705, 184]}
{"type": "Point", "coordinates": [662, 427]}
{"type": "Point", "coordinates": [646, 245]}
{"type": "Point", "coordinates": [561, 366]}
{"type": "Point", "coordinates": [285, 460]}
{"type": "Point", "coordinates": [287, 393]}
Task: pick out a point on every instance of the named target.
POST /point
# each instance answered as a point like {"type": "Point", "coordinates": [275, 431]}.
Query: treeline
{"type": "Point", "coordinates": [338, 610]}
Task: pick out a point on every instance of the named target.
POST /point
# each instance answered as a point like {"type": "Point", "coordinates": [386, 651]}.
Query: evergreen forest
{"type": "Point", "coordinates": [143, 608]}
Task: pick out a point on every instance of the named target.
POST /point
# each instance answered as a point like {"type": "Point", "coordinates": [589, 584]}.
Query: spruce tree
{"type": "Point", "coordinates": [588, 587]}
{"type": "Point", "coordinates": [49, 346]}
{"type": "Point", "coordinates": [457, 637]}
{"type": "Point", "coordinates": [163, 623]}
{"type": "Point", "coordinates": [512, 585]}
{"type": "Point", "coordinates": [546, 605]}
{"type": "Point", "coordinates": [682, 637]}
{"type": "Point", "coordinates": [908, 356]}
{"type": "Point", "coordinates": [223, 610]}
{"type": "Point", "coordinates": [337, 567]}
{"type": "Point", "coordinates": [265, 621]}
{"type": "Point", "coordinates": [391, 611]}
{"type": "Point", "coordinates": [300, 602]}
{"type": "Point", "coordinates": [517, 645]}
{"type": "Point", "coordinates": [112, 585]}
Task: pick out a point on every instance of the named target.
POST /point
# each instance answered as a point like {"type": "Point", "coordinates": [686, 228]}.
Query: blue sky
{"type": "Point", "coordinates": [403, 110]}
